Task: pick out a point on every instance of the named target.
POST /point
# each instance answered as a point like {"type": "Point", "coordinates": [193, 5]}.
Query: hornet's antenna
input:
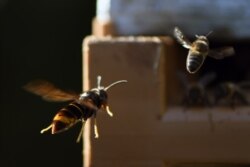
{"type": "Point", "coordinates": [115, 83]}
{"type": "Point", "coordinates": [99, 78]}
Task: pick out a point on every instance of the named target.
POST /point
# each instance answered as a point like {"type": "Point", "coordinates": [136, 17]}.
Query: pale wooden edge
{"type": "Point", "coordinates": [86, 138]}
{"type": "Point", "coordinates": [102, 28]}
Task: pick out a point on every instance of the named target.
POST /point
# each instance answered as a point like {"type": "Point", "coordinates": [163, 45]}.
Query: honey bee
{"type": "Point", "coordinates": [81, 108]}
{"type": "Point", "coordinates": [195, 92]}
{"type": "Point", "coordinates": [231, 93]}
{"type": "Point", "coordinates": [199, 50]}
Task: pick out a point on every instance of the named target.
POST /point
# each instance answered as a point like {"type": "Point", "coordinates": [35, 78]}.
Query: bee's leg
{"type": "Point", "coordinates": [81, 132]}
{"type": "Point", "coordinates": [95, 127]}
{"type": "Point", "coordinates": [109, 112]}
{"type": "Point", "coordinates": [46, 129]}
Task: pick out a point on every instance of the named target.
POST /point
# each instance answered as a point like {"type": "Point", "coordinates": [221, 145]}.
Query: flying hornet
{"type": "Point", "coordinates": [81, 107]}
{"type": "Point", "coordinates": [199, 50]}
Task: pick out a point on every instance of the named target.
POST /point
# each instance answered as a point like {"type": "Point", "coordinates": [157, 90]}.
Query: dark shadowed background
{"type": "Point", "coordinates": [39, 39]}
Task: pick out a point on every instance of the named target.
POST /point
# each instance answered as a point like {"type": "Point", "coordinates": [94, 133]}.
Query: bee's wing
{"type": "Point", "coordinates": [181, 38]}
{"type": "Point", "coordinates": [206, 79]}
{"type": "Point", "coordinates": [220, 53]}
{"type": "Point", "coordinates": [49, 92]}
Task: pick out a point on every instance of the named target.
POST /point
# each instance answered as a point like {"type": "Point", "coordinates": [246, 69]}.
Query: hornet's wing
{"type": "Point", "coordinates": [49, 92]}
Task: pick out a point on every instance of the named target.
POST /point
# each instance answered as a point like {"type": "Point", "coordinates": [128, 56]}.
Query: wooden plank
{"type": "Point", "coordinates": [102, 28]}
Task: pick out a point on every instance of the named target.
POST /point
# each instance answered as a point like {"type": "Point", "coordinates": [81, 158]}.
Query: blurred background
{"type": "Point", "coordinates": [42, 39]}
{"type": "Point", "coordinates": [39, 39]}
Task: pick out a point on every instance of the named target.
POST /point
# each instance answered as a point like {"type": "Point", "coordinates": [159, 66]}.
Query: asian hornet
{"type": "Point", "coordinates": [81, 107]}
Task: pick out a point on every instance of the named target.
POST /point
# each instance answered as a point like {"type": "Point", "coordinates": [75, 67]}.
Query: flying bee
{"type": "Point", "coordinates": [231, 93]}
{"type": "Point", "coordinates": [81, 108]}
{"type": "Point", "coordinates": [199, 50]}
{"type": "Point", "coordinates": [195, 92]}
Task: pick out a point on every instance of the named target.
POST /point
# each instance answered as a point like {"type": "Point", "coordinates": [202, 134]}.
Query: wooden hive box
{"type": "Point", "coordinates": [135, 136]}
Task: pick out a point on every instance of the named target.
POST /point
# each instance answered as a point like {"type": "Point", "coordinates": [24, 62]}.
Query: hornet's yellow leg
{"type": "Point", "coordinates": [81, 132]}
{"type": "Point", "coordinates": [46, 129]}
{"type": "Point", "coordinates": [109, 112]}
{"type": "Point", "coordinates": [96, 129]}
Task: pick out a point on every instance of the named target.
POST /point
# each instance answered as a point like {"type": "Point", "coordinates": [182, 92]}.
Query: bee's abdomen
{"type": "Point", "coordinates": [194, 62]}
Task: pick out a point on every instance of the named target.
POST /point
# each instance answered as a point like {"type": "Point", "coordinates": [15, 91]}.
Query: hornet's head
{"type": "Point", "coordinates": [102, 91]}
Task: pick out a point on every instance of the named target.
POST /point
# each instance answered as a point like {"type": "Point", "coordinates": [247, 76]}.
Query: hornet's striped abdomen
{"type": "Point", "coordinates": [70, 115]}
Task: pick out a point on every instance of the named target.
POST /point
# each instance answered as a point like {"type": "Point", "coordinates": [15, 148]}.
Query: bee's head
{"type": "Point", "coordinates": [202, 38]}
